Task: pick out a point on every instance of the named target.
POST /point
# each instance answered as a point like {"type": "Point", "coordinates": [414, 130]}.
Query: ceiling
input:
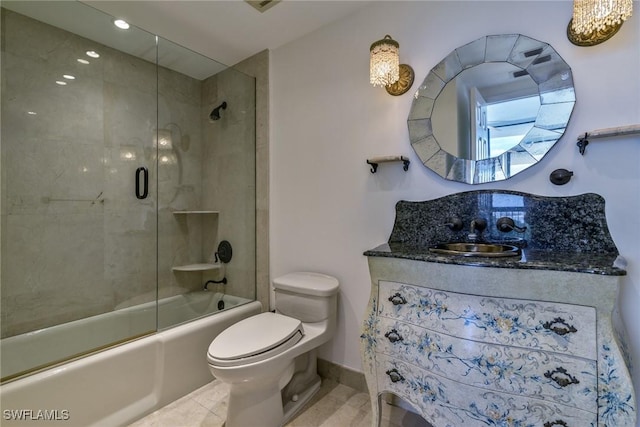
{"type": "Point", "coordinates": [229, 30]}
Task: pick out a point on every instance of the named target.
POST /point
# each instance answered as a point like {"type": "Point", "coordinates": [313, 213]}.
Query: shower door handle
{"type": "Point", "coordinates": [142, 193]}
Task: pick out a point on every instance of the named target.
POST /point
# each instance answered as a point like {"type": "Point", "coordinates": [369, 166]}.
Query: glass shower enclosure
{"type": "Point", "coordinates": [127, 162]}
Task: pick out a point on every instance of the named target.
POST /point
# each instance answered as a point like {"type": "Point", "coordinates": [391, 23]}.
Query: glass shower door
{"type": "Point", "coordinates": [79, 183]}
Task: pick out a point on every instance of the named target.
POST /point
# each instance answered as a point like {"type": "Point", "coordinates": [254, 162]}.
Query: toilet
{"type": "Point", "coordinates": [269, 360]}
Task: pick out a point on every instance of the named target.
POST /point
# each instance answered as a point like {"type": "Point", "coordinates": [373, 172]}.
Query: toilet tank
{"type": "Point", "coordinates": [309, 297]}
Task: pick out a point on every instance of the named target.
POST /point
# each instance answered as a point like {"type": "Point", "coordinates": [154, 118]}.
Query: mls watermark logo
{"type": "Point", "coordinates": [36, 414]}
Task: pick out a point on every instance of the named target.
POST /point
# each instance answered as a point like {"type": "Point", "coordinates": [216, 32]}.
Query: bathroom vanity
{"type": "Point", "coordinates": [527, 340]}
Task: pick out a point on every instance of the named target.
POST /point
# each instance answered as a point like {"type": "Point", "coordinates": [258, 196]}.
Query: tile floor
{"type": "Point", "coordinates": [335, 405]}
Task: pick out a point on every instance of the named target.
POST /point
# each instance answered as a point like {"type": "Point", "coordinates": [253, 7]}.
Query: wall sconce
{"type": "Point", "coordinates": [385, 68]}
{"type": "Point", "coordinates": [596, 21]}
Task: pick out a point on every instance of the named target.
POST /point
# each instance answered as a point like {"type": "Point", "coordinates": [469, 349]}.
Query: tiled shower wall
{"type": "Point", "coordinates": [229, 166]}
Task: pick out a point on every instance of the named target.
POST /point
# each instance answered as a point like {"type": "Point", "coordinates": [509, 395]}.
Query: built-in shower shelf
{"type": "Point", "coordinates": [196, 267]}
{"type": "Point", "coordinates": [200, 230]}
{"type": "Point", "coordinates": [194, 212]}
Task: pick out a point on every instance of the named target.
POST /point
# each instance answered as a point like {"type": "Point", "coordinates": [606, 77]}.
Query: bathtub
{"type": "Point", "coordinates": [121, 384]}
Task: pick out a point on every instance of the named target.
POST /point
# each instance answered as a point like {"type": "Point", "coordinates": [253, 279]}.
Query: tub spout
{"type": "Point", "coordinates": [206, 285]}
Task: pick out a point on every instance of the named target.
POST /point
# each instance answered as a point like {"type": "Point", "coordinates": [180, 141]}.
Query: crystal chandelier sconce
{"type": "Point", "coordinates": [385, 68]}
{"type": "Point", "coordinates": [595, 21]}
{"type": "Point", "coordinates": [384, 65]}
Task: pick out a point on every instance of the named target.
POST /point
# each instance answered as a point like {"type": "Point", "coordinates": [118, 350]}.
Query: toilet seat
{"type": "Point", "coordinates": [255, 338]}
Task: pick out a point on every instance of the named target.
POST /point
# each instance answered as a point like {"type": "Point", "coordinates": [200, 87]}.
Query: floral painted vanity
{"type": "Point", "coordinates": [527, 340]}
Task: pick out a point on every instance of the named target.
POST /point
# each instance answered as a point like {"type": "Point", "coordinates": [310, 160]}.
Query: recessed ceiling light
{"type": "Point", "coordinates": [61, 83]}
{"type": "Point", "coordinates": [69, 77]}
{"type": "Point", "coordinates": [120, 23]}
{"type": "Point", "coordinates": [93, 54]}
{"type": "Point", "coordinates": [31, 113]}
{"type": "Point", "coordinates": [83, 61]}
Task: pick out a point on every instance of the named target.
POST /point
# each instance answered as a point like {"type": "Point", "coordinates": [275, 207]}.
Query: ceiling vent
{"type": "Point", "coordinates": [263, 5]}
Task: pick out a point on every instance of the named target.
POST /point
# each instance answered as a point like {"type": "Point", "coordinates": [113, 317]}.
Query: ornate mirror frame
{"type": "Point", "coordinates": [555, 91]}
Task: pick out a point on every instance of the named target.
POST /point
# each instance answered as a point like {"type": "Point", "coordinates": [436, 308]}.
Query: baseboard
{"type": "Point", "coordinates": [342, 375]}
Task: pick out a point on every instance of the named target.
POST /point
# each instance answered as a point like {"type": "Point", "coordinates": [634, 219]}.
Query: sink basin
{"type": "Point", "coordinates": [476, 249]}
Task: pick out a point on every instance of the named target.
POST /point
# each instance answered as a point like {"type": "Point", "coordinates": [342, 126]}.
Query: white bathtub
{"type": "Point", "coordinates": [117, 386]}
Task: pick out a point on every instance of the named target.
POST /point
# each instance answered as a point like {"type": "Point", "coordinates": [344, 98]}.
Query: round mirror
{"type": "Point", "coordinates": [491, 109]}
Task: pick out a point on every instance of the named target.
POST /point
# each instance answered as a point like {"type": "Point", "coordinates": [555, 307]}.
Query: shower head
{"type": "Point", "coordinates": [215, 114]}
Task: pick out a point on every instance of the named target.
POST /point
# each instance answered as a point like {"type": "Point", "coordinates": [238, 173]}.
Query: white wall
{"type": "Point", "coordinates": [327, 208]}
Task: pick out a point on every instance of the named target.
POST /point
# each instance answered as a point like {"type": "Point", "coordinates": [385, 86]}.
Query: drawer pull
{"type": "Point", "coordinates": [556, 423]}
{"type": "Point", "coordinates": [393, 336]}
{"type": "Point", "coordinates": [394, 375]}
{"type": "Point", "coordinates": [559, 326]}
{"type": "Point", "coordinates": [561, 377]}
{"type": "Point", "coordinates": [397, 299]}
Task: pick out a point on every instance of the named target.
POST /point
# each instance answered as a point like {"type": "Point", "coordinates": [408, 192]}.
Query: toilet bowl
{"type": "Point", "coordinates": [269, 360]}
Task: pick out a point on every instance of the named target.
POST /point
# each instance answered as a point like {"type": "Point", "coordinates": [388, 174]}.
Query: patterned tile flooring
{"type": "Point", "coordinates": [335, 405]}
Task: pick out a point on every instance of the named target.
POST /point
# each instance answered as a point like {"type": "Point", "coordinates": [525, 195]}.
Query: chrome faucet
{"type": "Point", "coordinates": [477, 226]}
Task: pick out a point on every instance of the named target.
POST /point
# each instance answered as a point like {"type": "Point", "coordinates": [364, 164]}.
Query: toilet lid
{"type": "Point", "coordinates": [255, 338]}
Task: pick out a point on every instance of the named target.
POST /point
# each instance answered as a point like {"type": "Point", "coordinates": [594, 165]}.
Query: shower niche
{"type": "Point", "coordinates": [200, 229]}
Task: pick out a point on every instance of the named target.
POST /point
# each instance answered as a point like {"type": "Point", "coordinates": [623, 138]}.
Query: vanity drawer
{"type": "Point", "coordinates": [538, 374]}
{"type": "Point", "coordinates": [562, 328]}
{"type": "Point", "coordinates": [448, 403]}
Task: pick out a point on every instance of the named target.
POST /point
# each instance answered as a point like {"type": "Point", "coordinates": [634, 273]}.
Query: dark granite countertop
{"type": "Point", "coordinates": [555, 233]}
{"type": "Point", "coordinates": [610, 264]}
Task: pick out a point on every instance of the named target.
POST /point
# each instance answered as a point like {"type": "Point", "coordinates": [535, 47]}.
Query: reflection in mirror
{"type": "Point", "coordinates": [491, 109]}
